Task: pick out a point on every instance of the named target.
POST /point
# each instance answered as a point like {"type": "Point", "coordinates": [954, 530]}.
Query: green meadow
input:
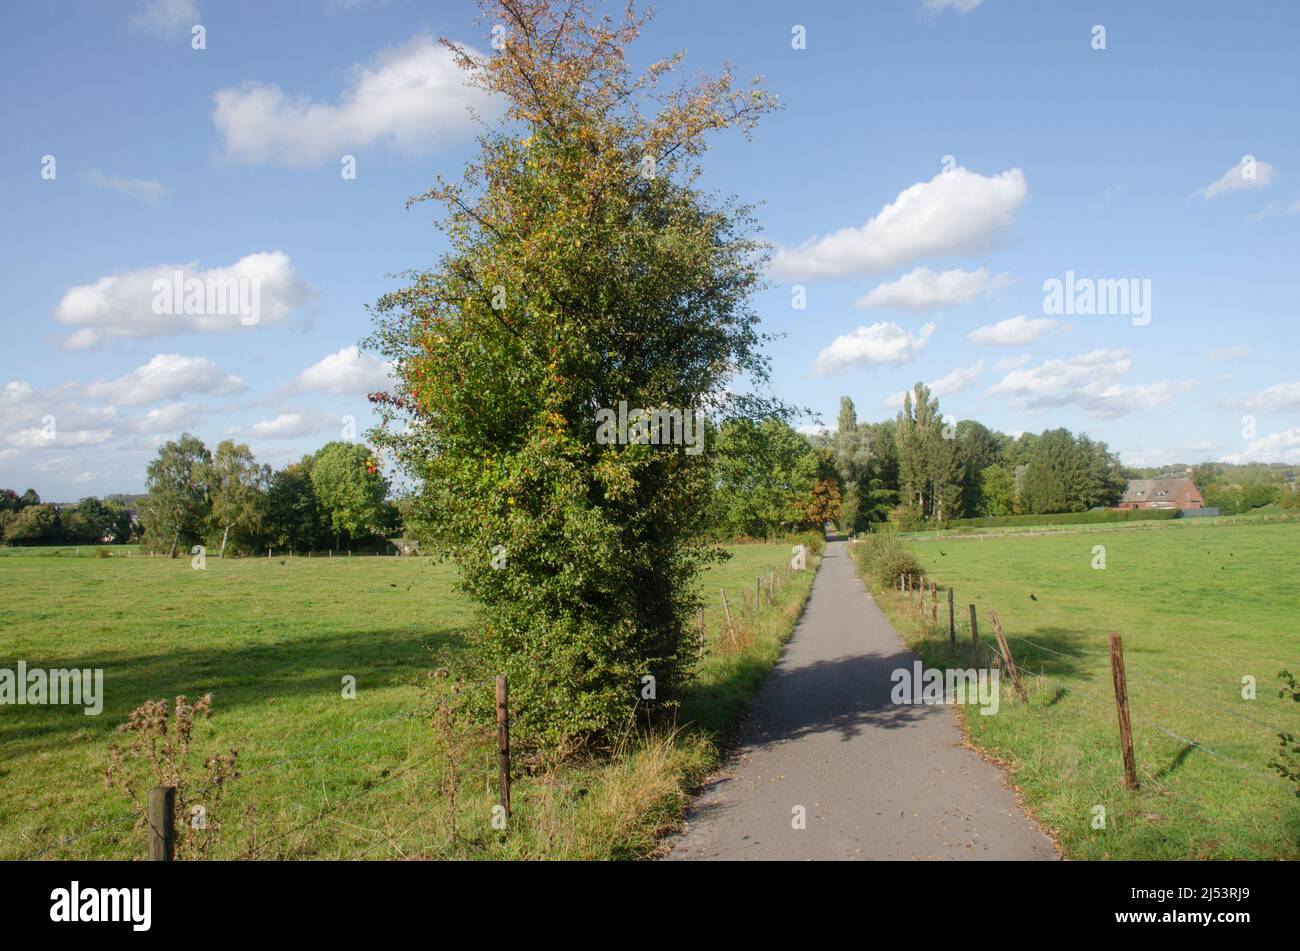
{"type": "Point", "coordinates": [323, 776]}
{"type": "Point", "coordinates": [1201, 607]}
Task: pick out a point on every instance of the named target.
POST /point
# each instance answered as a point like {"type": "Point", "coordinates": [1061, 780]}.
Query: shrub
{"type": "Point", "coordinates": [886, 558]}
{"type": "Point", "coordinates": [103, 553]}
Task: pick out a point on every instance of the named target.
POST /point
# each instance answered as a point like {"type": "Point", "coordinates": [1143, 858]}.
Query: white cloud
{"type": "Point", "coordinates": [166, 19]}
{"type": "Point", "coordinates": [172, 418]}
{"type": "Point", "coordinates": [1276, 208]}
{"type": "Point", "coordinates": [145, 189]}
{"type": "Point", "coordinates": [1089, 381]}
{"type": "Point", "coordinates": [923, 289]}
{"type": "Point", "coordinates": [1014, 331]}
{"type": "Point", "coordinates": [955, 212]}
{"type": "Point", "coordinates": [1228, 354]}
{"type": "Point", "coordinates": [1277, 398]}
{"type": "Point", "coordinates": [885, 342]}
{"type": "Point", "coordinates": [413, 97]}
{"type": "Point", "coordinates": [1244, 175]}
{"type": "Point", "coordinates": [1275, 447]}
{"type": "Point", "coordinates": [167, 376]}
{"type": "Point", "coordinates": [290, 425]}
{"type": "Point", "coordinates": [122, 305]}
{"type": "Point", "coordinates": [1011, 363]}
{"type": "Point", "coordinates": [349, 372]}
{"type": "Point", "coordinates": [960, 6]}
{"type": "Point", "coordinates": [959, 379]}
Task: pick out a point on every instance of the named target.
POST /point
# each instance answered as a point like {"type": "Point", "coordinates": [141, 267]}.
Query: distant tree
{"type": "Point", "coordinates": [294, 518]}
{"type": "Point", "coordinates": [29, 498]}
{"type": "Point", "coordinates": [825, 494]}
{"type": "Point", "coordinates": [92, 521]}
{"type": "Point", "coordinates": [997, 494]}
{"type": "Point", "coordinates": [237, 485]}
{"type": "Point", "coordinates": [177, 504]}
{"type": "Point", "coordinates": [33, 525]}
{"type": "Point", "coordinates": [764, 475]}
{"type": "Point", "coordinates": [9, 501]}
{"type": "Point", "coordinates": [350, 490]}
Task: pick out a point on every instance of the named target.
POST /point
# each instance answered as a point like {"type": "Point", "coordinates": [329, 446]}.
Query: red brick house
{"type": "Point", "coordinates": [1161, 494]}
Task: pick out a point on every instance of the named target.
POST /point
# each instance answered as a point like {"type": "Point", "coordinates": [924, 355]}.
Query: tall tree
{"type": "Point", "coordinates": [177, 503]}
{"type": "Point", "coordinates": [350, 490]}
{"type": "Point", "coordinates": [237, 485]}
{"type": "Point", "coordinates": [585, 269]}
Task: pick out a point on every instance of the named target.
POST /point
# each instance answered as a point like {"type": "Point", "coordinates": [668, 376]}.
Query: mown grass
{"type": "Point", "coordinates": [322, 776]}
{"type": "Point", "coordinates": [1199, 606]}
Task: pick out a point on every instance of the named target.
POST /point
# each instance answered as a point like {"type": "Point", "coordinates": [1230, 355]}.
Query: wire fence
{"type": "Point", "coordinates": [916, 591]}
{"type": "Point", "coordinates": [767, 586]}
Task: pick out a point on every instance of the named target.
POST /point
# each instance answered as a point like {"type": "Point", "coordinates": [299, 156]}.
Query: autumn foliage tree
{"type": "Point", "coordinates": [585, 267]}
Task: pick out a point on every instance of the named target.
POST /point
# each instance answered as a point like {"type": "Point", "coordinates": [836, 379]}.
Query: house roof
{"type": "Point", "coordinates": [1155, 490]}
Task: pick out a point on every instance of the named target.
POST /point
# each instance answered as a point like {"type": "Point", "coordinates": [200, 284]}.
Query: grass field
{"type": "Point", "coordinates": [1199, 607]}
{"type": "Point", "coordinates": [272, 639]}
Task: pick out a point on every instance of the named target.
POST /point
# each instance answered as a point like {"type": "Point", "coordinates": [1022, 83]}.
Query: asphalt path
{"type": "Point", "coordinates": [875, 780]}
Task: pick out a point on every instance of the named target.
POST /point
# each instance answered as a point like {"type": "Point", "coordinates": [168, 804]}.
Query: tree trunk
{"type": "Point", "coordinates": [175, 541]}
{"type": "Point", "coordinates": [224, 535]}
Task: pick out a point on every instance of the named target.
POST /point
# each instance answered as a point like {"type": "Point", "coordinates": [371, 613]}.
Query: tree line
{"type": "Point", "coordinates": [224, 500]}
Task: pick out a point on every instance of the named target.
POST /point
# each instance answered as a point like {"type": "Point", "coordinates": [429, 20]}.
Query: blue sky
{"type": "Point", "coordinates": [936, 162]}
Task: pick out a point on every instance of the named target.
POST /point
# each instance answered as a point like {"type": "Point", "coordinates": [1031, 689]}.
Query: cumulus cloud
{"type": "Point", "coordinates": [166, 19]}
{"type": "Point", "coordinates": [291, 425]}
{"type": "Point", "coordinates": [167, 376]}
{"type": "Point", "coordinates": [1089, 381]}
{"type": "Point", "coordinates": [959, 379]}
{"type": "Point", "coordinates": [1275, 209]}
{"type": "Point", "coordinates": [1246, 174]}
{"type": "Point", "coordinates": [884, 342]}
{"type": "Point", "coordinates": [412, 97]}
{"type": "Point", "coordinates": [958, 6]}
{"type": "Point", "coordinates": [1275, 447]}
{"type": "Point", "coordinates": [1014, 331]}
{"type": "Point", "coordinates": [349, 372]}
{"type": "Point", "coordinates": [923, 289]}
{"type": "Point", "coordinates": [1277, 398]}
{"type": "Point", "coordinates": [145, 189]}
{"type": "Point", "coordinates": [1229, 354]}
{"type": "Point", "coordinates": [958, 211]}
{"type": "Point", "coordinates": [172, 418]}
{"type": "Point", "coordinates": [127, 304]}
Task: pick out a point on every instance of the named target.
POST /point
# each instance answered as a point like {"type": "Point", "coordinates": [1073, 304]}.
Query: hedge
{"type": "Point", "coordinates": [1068, 518]}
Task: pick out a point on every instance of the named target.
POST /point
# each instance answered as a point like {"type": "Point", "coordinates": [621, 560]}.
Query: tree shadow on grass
{"type": "Point", "coordinates": [237, 676]}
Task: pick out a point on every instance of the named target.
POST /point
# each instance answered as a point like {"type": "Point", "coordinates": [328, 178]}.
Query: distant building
{"type": "Point", "coordinates": [1161, 494]}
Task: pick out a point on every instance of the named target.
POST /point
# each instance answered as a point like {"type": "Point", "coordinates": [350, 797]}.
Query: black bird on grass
{"type": "Point", "coordinates": [1032, 598]}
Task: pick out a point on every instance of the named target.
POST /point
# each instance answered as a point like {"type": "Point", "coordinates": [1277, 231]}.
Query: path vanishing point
{"type": "Point", "coordinates": [876, 780]}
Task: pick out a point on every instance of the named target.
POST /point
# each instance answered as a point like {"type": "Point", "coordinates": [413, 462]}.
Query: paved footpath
{"type": "Point", "coordinates": [877, 781]}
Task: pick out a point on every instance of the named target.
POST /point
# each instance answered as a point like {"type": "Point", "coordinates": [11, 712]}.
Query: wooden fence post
{"type": "Point", "coordinates": [503, 741]}
{"type": "Point", "coordinates": [727, 609]}
{"type": "Point", "coordinates": [1008, 659]}
{"type": "Point", "coordinates": [952, 620]}
{"type": "Point", "coordinates": [162, 823]}
{"type": "Point", "coordinates": [934, 602]}
{"type": "Point", "coordinates": [758, 593]}
{"type": "Point", "coordinates": [975, 633]}
{"type": "Point", "coordinates": [1121, 706]}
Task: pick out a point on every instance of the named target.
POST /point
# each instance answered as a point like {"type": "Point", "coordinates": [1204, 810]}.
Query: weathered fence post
{"type": "Point", "coordinates": [934, 602]}
{"type": "Point", "coordinates": [162, 823]}
{"type": "Point", "coordinates": [952, 620]}
{"type": "Point", "coordinates": [1121, 706]}
{"type": "Point", "coordinates": [1008, 659]}
{"type": "Point", "coordinates": [727, 610]}
{"type": "Point", "coordinates": [503, 741]}
{"type": "Point", "coordinates": [975, 633]}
